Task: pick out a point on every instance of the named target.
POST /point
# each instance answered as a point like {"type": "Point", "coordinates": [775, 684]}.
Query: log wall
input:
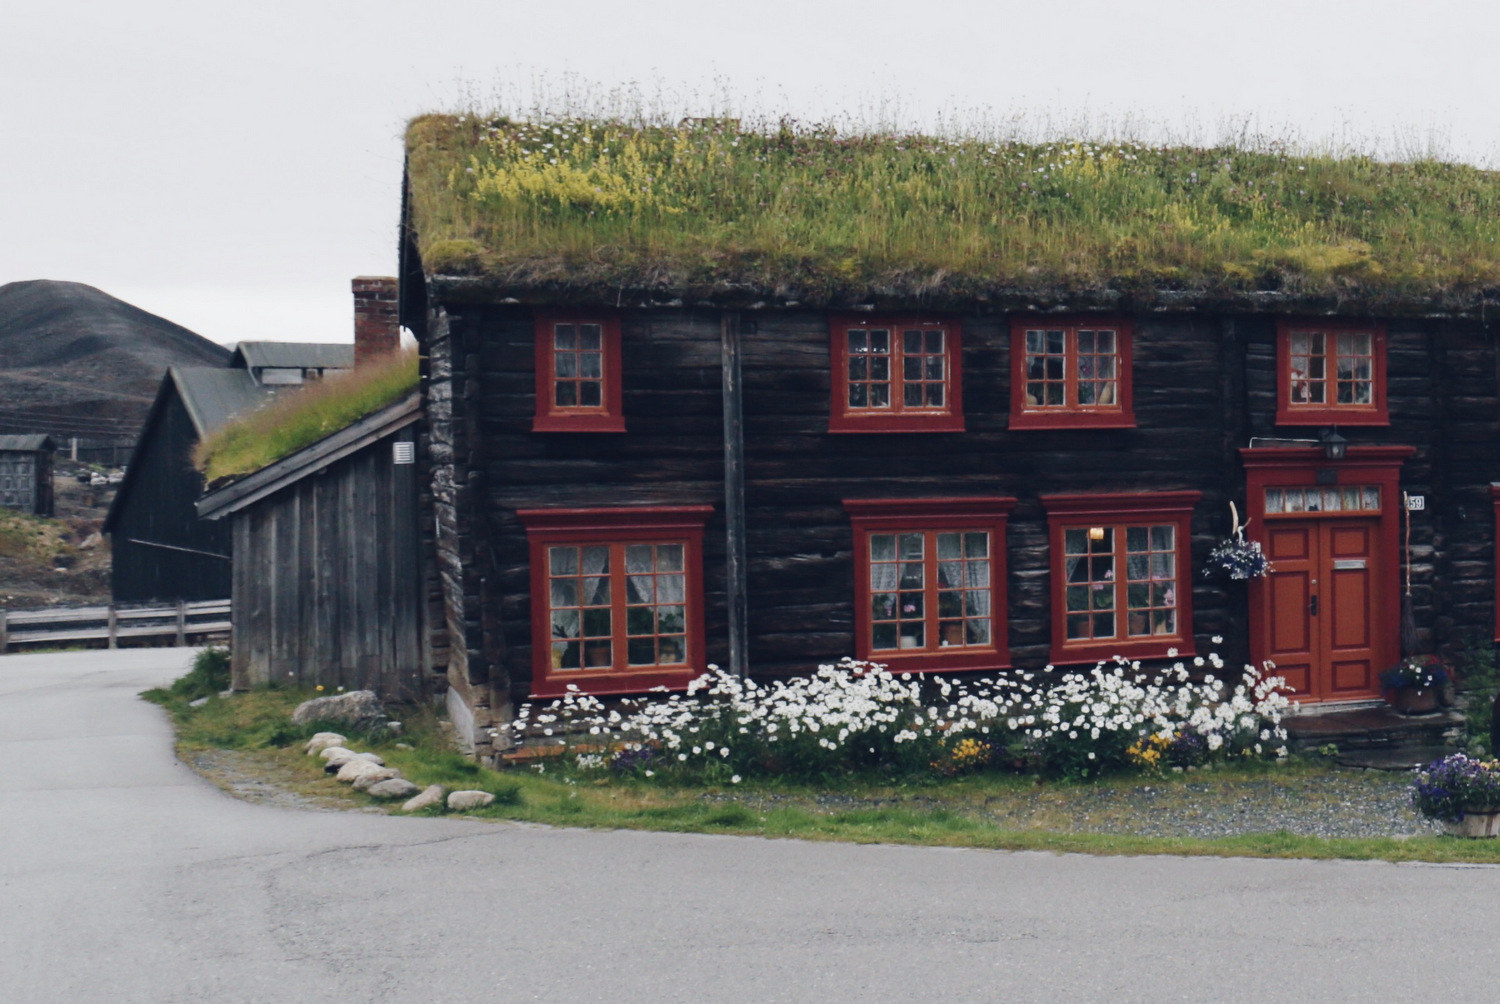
{"type": "Point", "coordinates": [1204, 386]}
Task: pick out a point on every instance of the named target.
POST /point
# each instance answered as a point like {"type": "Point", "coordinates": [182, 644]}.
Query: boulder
{"type": "Point", "coordinates": [358, 707]}
{"type": "Point", "coordinates": [323, 741]}
{"type": "Point", "coordinates": [353, 769]}
{"type": "Point", "coordinates": [363, 782]}
{"type": "Point", "coordinates": [431, 795]}
{"type": "Point", "coordinates": [336, 754]}
{"type": "Point", "coordinates": [395, 787]}
{"type": "Point", "coordinates": [462, 801]}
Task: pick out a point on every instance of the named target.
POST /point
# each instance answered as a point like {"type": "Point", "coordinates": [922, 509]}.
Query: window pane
{"type": "Point", "coordinates": [566, 394]}
{"type": "Point", "coordinates": [565, 364]}
{"type": "Point", "coordinates": [859, 342]}
{"type": "Point", "coordinates": [669, 557]}
{"type": "Point", "coordinates": [880, 368]}
{"type": "Point", "coordinates": [934, 395]}
{"type": "Point", "coordinates": [948, 545]}
{"type": "Point", "coordinates": [859, 395]}
{"type": "Point", "coordinates": [950, 574]}
{"type": "Point", "coordinates": [671, 620]}
{"type": "Point", "coordinates": [1162, 537]}
{"type": "Point", "coordinates": [880, 395]}
{"type": "Point", "coordinates": [670, 589]}
{"type": "Point", "coordinates": [565, 623]}
{"type": "Point", "coordinates": [639, 620]}
{"type": "Point", "coordinates": [882, 547]}
{"type": "Point", "coordinates": [642, 651]}
{"type": "Point", "coordinates": [638, 589]}
{"type": "Point", "coordinates": [883, 606]}
{"type": "Point", "coordinates": [859, 368]}
{"type": "Point", "coordinates": [883, 636]}
{"type": "Point", "coordinates": [596, 622]}
{"type": "Point", "coordinates": [638, 558]}
{"type": "Point", "coordinates": [1136, 539]}
{"type": "Point", "coordinates": [671, 650]}
{"type": "Point", "coordinates": [564, 560]}
{"type": "Point", "coordinates": [564, 592]}
{"type": "Point", "coordinates": [911, 575]}
{"type": "Point", "coordinates": [563, 337]}
{"type": "Point", "coordinates": [590, 393]}
{"type": "Point", "coordinates": [880, 341]}
{"type": "Point", "coordinates": [911, 342]}
{"type": "Point", "coordinates": [911, 395]}
{"type": "Point", "coordinates": [911, 545]}
{"type": "Point", "coordinates": [1076, 541]}
{"type": "Point", "coordinates": [590, 364]}
{"type": "Point", "coordinates": [934, 343]}
{"type": "Point", "coordinates": [976, 545]}
{"type": "Point", "coordinates": [590, 337]}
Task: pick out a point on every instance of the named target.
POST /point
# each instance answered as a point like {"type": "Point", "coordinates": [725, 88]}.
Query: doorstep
{"type": "Point", "coordinates": [1370, 729]}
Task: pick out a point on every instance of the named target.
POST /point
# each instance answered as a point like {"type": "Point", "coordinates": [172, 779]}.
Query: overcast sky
{"type": "Point", "coordinates": [231, 168]}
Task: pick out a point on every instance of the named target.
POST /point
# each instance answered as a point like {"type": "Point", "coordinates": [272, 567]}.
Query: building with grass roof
{"type": "Point", "coordinates": [769, 397]}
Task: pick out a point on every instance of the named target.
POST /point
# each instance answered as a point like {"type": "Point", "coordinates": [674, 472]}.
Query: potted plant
{"type": "Point", "coordinates": [1462, 793]}
{"type": "Point", "coordinates": [1414, 686]}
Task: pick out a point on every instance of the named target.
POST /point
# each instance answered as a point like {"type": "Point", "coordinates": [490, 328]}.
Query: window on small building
{"type": "Point", "coordinates": [1121, 577]}
{"type": "Point", "coordinates": [1331, 373]}
{"type": "Point", "coordinates": [930, 582]}
{"type": "Point", "coordinates": [896, 375]}
{"type": "Point", "coordinates": [617, 598]}
{"type": "Point", "coordinates": [578, 375]}
{"type": "Point", "coordinates": [1070, 374]}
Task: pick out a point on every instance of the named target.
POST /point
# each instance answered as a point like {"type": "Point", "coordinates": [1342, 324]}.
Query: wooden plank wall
{"type": "Point", "coordinates": [1203, 386]}
{"type": "Point", "coordinates": [328, 580]}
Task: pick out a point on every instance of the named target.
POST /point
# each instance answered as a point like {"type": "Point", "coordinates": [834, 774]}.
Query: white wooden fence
{"type": "Point", "coordinates": [180, 623]}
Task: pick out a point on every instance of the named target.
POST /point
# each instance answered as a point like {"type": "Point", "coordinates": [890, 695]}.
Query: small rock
{"type": "Point", "coordinates": [431, 795]}
{"type": "Point", "coordinates": [227, 693]}
{"type": "Point", "coordinates": [355, 768]}
{"type": "Point", "coordinates": [395, 787]}
{"type": "Point", "coordinates": [336, 754]}
{"type": "Point", "coordinates": [198, 703]}
{"type": "Point", "coordinates": [404, 746]}
{"type": "Point", "coordinates": [363, 782]}
{"type": "Point", "coordinates": [462, 801]}
{"type": "Point", "coordinates": [356, 707]}
{"type": "Point", "coordinates": [374, 758]}
{"type": "Point", "coordinates": [322, 741]}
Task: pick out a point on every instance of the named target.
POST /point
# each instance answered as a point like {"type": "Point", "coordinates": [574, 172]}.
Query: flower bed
{"type": "Point", "coordinates": [858, 716]}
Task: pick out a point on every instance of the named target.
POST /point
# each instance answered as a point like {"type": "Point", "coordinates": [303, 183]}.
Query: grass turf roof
{"type": "Point", "coordinates": [592, 208]}
{"type": "Point", "coordinates": [299, 419]}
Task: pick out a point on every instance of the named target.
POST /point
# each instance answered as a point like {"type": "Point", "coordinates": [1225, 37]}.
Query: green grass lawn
{"type": "Point", "coordinates": [998, 811]}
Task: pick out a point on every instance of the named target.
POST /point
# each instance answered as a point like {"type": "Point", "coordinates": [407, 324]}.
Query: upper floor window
{"type": "Point", "coordinates": [616, 598]}
{"type": "Point", "coordinates": [577, 374]}
{"type": "Point", "coordinates": [896, 375]}
{"type": "Point", "coordinates": [930, 582]}
{"type": "Point", "coordinates": [1121, 575]}
{"type": "Point", "coordinates": [1070, 373]}
{"type": "Point", "coordinates": [1331, 373]}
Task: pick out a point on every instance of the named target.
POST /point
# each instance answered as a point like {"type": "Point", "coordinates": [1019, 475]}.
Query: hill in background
{"type": "Point", "coordinates": [75, 361]}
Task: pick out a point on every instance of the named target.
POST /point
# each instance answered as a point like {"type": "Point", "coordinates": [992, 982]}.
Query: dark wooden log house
{"type": "Point", "coordinates": [633, 483]}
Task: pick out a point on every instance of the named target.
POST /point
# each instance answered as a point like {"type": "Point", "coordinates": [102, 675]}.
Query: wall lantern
{"type": "Point", "coordinates": [1334, 445]}
{"type": "Point", "coordinates": [1096, 533]}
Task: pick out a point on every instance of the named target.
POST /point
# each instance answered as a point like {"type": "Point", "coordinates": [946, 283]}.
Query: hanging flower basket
{"type": "Point", "coordinates": [1237, 557]}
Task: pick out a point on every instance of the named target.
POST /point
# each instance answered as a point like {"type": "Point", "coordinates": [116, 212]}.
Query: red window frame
{"type": "Point", "coordinates": [615, 528]}
{"type": "Point", "coordinates": [1070, 414]}
{"type": "Point", "coordinates": [1324, 412]}
{"type": "Point", "coordinates": [897, 416]}
{"type": "Point", "coordinates": [1117, 511]}
{"type": "Point", "coordinates": [607, 416]}
{"type": "Point", "coordinates": [930, 516]}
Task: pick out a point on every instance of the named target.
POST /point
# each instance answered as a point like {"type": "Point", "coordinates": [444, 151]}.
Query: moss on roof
{"type": "Point", "coordinates": [299, 419]}
{"type": "Point", "coordinates": [595, 205]}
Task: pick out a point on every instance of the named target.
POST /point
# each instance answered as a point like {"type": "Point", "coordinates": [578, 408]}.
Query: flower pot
{"type": "Point", "coordinates": [1413, 700]}
{"type": "Point", "coordinates": [1485, 823]}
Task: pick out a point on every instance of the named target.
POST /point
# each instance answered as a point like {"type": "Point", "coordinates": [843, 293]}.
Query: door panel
{"type": "Point", "coordinates": [1290, 584]}
{"type": "Point", "coordinates": [1348, 569]}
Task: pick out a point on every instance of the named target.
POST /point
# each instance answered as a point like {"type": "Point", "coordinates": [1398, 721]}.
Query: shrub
{"type": "Point", "coordinates": [208, 675]}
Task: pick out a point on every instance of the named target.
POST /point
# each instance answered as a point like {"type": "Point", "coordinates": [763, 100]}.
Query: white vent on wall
{"type": "Point", "coordinates": [403, 453]}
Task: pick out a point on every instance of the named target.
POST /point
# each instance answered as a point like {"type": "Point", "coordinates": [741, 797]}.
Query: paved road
{"type": "Point", "coordinates": [125, 877]}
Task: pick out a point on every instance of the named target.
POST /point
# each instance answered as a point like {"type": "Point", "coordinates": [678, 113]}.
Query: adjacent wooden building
{"type": "Point", "coordinates": [328, 570]}
{"type": "Point", "coordinates": [160, 549]}
{"type": "Point", "coordinates": [26, 474]}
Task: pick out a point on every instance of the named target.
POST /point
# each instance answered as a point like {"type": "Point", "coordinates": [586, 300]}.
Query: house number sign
{"type": "Point", "coordinates": [1416, 503]}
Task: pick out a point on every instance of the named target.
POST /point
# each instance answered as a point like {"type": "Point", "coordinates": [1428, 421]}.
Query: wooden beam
{"type": "Point", "coordinates": [734, 492]}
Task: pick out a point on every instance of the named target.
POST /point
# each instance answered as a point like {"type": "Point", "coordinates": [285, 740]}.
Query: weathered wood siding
{"type": "Point", "coordinates": [1204, 385]}
{"type": "Point", "coordinates": [328, 579]}
{"type": "Point", "coordinates": [160, 549]}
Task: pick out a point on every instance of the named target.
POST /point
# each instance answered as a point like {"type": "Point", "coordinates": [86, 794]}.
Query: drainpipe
{"type": "Point", "coordinates": [734, 492]}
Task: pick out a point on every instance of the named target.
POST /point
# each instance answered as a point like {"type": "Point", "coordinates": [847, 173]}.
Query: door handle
{"type": "Point", "coordinates": [1312, 605]}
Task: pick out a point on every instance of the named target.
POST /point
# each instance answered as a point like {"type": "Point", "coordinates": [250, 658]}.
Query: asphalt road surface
{"type": "Point", "coordinates": [126, 877]}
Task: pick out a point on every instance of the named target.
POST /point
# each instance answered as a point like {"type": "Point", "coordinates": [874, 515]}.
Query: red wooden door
{"type": "Point", "coordinates": [1320, 607]}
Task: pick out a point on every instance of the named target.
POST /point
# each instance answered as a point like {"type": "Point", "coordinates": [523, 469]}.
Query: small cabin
{"type": "Point", "coordinates": [328, 571]}
{"type": "Point", "coordinates": [26, 474]}
{"type": "Point", "coordinates": [897, 437]}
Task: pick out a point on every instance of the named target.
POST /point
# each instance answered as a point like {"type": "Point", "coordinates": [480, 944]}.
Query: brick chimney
{"type": "Point", "coordinates": [376, 328]}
